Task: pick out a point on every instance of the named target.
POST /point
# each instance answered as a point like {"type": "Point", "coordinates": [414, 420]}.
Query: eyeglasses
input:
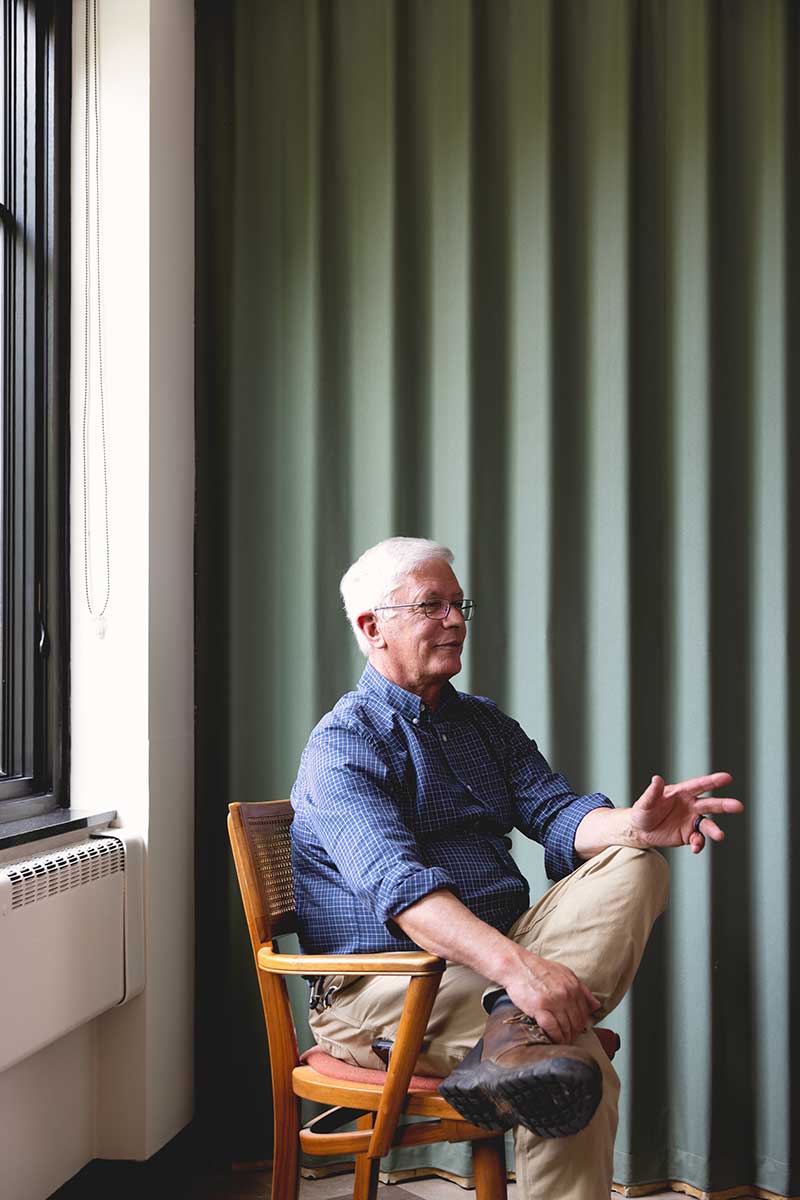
{"type": "Point", "coordinates": [437, 610]}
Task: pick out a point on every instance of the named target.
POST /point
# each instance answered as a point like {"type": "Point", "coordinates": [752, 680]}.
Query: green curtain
{"type": "Point", "coordinates": [523, 276]}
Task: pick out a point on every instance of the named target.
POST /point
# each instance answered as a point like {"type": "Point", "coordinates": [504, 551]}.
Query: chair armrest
{"type": "Point", "coordinates": [400, 962]}
{"type": "Point", "coordinates": [407, 1046]}
{"type": "Point", "coordinates": [426, 971]}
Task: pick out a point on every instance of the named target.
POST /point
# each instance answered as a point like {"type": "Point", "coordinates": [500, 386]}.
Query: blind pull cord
{"type": "Point", "coordinates": [91, 113]}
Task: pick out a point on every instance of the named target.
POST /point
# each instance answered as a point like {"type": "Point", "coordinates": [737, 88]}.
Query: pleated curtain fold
{"type": "Point", "coordinates": [523, 276]}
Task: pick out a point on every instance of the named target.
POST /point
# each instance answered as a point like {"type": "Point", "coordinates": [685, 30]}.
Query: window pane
{"type": "Point", "coordinates": [3, 767]}
{"type": "Point", "coordinates": [34, 252]}
{"type": "Point", "coordinates": [3, 119]}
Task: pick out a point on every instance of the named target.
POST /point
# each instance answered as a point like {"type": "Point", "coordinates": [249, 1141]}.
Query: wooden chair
{"type": "Point", "coordinates": [259, 836]}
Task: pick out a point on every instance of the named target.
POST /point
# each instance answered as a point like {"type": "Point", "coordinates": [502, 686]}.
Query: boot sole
{"type": "Point", "coordinates": [465, 1090]}
{"type": "Point", "coordinates": [556, 1098]}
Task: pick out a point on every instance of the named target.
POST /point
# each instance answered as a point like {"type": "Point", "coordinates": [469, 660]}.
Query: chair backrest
{"type": "Point", "coordinates": [261, 846]}
{"type": "Point", "coordinates": [262, 851]}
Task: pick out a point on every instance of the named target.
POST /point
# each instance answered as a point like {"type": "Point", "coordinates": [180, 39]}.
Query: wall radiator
{"type": "Point", "coordinates": [71, 939]}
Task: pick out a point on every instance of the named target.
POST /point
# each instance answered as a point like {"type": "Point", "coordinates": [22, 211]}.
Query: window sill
{"type": "Point", "coordinates": [46, 825]}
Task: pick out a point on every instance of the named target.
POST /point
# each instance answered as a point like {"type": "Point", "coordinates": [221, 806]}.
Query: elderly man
{"type": "Point", "coordinates": [406, 794]}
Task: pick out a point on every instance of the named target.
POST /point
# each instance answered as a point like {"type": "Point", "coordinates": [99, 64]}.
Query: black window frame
{"type": "Point", "coordinates": [34, 429]}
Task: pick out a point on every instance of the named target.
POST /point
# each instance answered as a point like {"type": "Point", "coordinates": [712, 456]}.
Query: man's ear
{"type": "Point", "coordinates": [368, 624]}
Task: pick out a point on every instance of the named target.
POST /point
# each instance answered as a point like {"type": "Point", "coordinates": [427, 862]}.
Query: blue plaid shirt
{"type": "Point", "coordinates": [393, 801]}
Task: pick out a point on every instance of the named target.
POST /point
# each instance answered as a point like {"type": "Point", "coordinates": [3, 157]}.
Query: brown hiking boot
{"type": "Point", "coordinates": [516, 1076]}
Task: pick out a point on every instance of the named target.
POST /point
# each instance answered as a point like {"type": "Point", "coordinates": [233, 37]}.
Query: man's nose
{"type": "Point", "coordinates": [454, 616]}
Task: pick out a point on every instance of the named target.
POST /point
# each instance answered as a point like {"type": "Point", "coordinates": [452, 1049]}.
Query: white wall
{"type": "Point", "coordinates": [122, 1086]}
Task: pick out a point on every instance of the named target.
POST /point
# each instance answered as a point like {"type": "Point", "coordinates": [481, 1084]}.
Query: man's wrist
{"type": "Point", "coordinates": [508, 963]}
{"type": "Point", "coordinates": [604, 827]}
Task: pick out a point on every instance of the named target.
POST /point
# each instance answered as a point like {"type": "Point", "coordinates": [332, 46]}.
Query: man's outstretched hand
{"type": "Point", "coordinates": [664, 814]}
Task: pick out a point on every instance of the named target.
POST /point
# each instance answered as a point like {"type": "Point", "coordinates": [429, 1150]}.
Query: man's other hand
{"type": "Point", "coordinates": [552, 994]}
{"type": "Point", "coordinates": [665, 813]}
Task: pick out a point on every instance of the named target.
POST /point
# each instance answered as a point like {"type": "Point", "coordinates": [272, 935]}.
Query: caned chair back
{"type": "Point", "coordinates": [262, 849]}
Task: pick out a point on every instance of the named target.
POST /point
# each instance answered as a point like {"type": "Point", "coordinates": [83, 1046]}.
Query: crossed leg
{"type": "Point", "coordinates": [597, 922]}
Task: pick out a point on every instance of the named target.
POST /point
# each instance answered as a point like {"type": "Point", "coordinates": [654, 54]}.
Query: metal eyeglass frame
{"type": "Point", "coordinates": [465, 607]}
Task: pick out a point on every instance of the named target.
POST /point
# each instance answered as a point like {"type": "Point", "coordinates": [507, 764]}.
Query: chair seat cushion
{"type": "Point", "coordinates": [336, 1068]}
{"type": "Point", "coordinates": [609, 1040]}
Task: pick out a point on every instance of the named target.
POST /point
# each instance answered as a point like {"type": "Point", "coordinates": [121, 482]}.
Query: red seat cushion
{"type": "Point", "coordinates": [609, 1040]}
{"type": "Point", "coordinates": [336, 1068]}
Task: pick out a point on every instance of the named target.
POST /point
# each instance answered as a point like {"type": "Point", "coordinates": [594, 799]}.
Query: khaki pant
{"type": "Point", "coordinates": [597, 922]}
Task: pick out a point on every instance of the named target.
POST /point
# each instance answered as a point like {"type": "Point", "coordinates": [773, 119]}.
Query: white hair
{"type": "Point", "coordinates": [374, 578]}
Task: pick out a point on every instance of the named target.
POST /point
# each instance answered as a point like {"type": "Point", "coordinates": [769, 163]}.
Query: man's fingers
{"type": "Point", "coordinates": [709, 828]}
{"type": "Point", "coordinates": [717, 804]}
{"type": "Point", "coordinates": [585, 1003]}
{"type": "Point", "coordinates": [567, 1016]}
{"type": "Point", "coordinates": [578, 1018]}
{"type": "Point", "coordinates": [702, 783]}
{"type": "Point", "coordinates": [652, 792]}
{"type": "Point", "coordinates": [566, 1023]}
{"type": "Point", "coordinates": [591, 999]}
{"type": "Point", "coordinates": [556, 1029]}
{"type": "Point", "coordinates": [696, 842]}
{"type": "Point", "coordinates": [570, 1017]}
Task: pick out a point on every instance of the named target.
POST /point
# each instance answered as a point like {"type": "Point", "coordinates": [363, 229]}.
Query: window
{"type": "Point", "coordinates": [34, 379]}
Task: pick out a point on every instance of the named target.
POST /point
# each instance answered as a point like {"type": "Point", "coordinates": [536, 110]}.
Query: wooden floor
{"type": "Point", "coordinates": [245, 1185]}
{"type": "Point", "coordinates": [105, 1181]}
{"type": "Point", "coordinates": [256, 1186]}
{"type": "Point", "coordinates": [240, 1185]}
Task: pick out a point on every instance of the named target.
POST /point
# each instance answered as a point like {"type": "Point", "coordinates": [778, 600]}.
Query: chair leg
{"type": "Point", "coordinates": [286, 1169]}
{"type": "Point", "coordinates": [286, 1146]}
{"type": "Point", "coordinates": [365, 1185]}
{"type": "Point", "coordinates": [489, 1162]}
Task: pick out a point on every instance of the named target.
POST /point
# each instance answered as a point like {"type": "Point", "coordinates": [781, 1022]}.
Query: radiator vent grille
{"type": "Point", "coordinates": [37, 878]}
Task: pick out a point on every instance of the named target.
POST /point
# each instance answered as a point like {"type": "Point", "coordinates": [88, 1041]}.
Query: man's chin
{"type": "Point", "coordinates": [451, 660]}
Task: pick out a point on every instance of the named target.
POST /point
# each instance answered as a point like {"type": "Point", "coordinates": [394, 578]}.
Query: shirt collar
{"type": "Point", "coordinates": [405, 703]}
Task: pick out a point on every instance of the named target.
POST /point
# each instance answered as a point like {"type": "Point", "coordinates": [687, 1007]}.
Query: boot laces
{"type": "Point", "coordinates": [535, 1031]}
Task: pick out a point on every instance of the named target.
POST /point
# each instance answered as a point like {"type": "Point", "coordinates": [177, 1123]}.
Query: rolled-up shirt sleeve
{"type": "Point", "coordinates": [548, 810]}
{"type": "Point", "coordinates": [352, 807]}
